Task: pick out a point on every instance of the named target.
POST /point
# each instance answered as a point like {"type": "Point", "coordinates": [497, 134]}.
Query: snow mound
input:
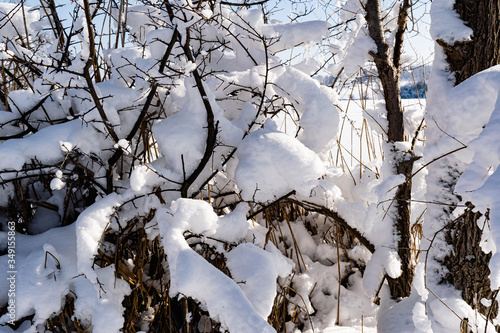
{"type": "Point", "coordinates": [272, 163]}
{"type": "Point", "coordinates": [47, 268]}
{"type": "Point", "coordinates": [242, 308]}
{"type": "Point", "coordinates": [319, 117]}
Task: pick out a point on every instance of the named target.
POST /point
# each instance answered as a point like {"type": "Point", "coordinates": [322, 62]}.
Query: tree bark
{"type": "Point", "coordinates": [467, 263]}
{"type": "Point", "coordinates": [483, 51]}
{"type": "Point", "coordinates": [389, 72]}
{"type": "Point", "coordinates": [401, 286]}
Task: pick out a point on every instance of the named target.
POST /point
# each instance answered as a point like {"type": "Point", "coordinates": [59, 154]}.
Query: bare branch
{"type": "Point", "coordinates": [337, 218]}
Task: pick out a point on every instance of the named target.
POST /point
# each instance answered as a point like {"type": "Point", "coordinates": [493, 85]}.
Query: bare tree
{"type": "Point", "coordinates": [389, 71]}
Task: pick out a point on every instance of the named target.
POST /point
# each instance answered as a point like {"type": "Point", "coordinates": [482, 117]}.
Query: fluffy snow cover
{"type": "Point", "coordinates": [469, 113]}
{"type": "Point", "coordinates": [480, 180]}
{"type": "Point", "coordinates": [16, 20]}
{"type": "Point", "coordinates": [354, 47]}
{"type": "Point", "coordinates": [292, 34]}
{"type": "Point", "coordinates": [319, 117]}
{"type": "Point", "coordinates": [59, 262]}
{"type": "Point", "coordinates": [257, 271]}
{"type": "Point", "coordinates": [446, 24]}
{"type": "Point", "coordinates": [383, 261]}
{"type": "Point", "coordinates": [172, 132]}
{"type": "Point", "coordinates": [89, 227]}
{"type": "Point", "coordinates": [47, 272]}
{"type": "Point", "coordinates": [15, 153]}
{"type": "Point", "coordinates": [238, 309]}
{"type": "Point", "coordinates": [326, 280]}
{"type": "Point", "coordinates": [272, 163]}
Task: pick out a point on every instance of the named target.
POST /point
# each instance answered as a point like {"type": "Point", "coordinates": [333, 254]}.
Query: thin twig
{"type": "Point", "coordinates": [249, 217]}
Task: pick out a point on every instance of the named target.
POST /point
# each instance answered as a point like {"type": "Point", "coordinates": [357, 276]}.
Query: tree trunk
{"type": "Point", "coordinates": [483, 51]}
{"type": "Point", "coordinates": [467, 263]}
{"type": "Point", "coordinates": [389, 71]}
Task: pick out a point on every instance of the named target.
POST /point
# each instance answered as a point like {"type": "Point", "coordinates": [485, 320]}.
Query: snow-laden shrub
{"type": "Point", "coordinates": [124, 169]}
{"type": "Point", "coordinates": [163, 169]}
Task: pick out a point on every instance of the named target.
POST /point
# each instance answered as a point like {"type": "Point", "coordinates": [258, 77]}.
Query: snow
{"type": "Point", "coordinates": [182, 136]}
{"type": "Point", "coordinates": [318, 289]}
{"type": "Point", "coordinates": [272, 163]}
{"type": "Point", "coordinates": [138, 178]}
{"type": "Point", "coordinates": [478, 131]}
{"type": "Point", "coordinates": [419, 281]}
{"type": "Point", "coordinates": [446, 319]}
{"type": "Point", "coordinates": [241, 309]}
{"type": "Point", "coordinates": [233, 225]}
{"type": "Point", "coordinates": [57, 184]}
{"type": "Point", "coordinates": [256, 271]}
{"type": "Point", "coordinates": [90, 226]}
{"type": "Point", "coordinates": [13, 18]}
{"type": "Point", "coordinates": [456, 118]}
{"type": "Point", "coordinates": [354, 47]}
{"type": "Point", "coordinates": [108, 310]}
{"type": "Point", "coordinates": [45, 146]}
{"type": "Point", "coordinates": [47, 268]}
{"type": "Point", "coordinates": [446, 23]}
{"type": "Point", "coordinates": [140, 19]}
{"type": "Point", "coordinates": [279, 131]}
{"type": "Point", "coordinates": [123, 61]}
{"type": "Point", "coordinates": [383, 261]}
{"type": "Point", "coordinates": [420, 319]}
{"type": "Point", "coordinates": [44, 220]}
{"type": "Point", "coordinates": [319, 117]}
{"type": "Point", "coordinates": [293, 34]}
